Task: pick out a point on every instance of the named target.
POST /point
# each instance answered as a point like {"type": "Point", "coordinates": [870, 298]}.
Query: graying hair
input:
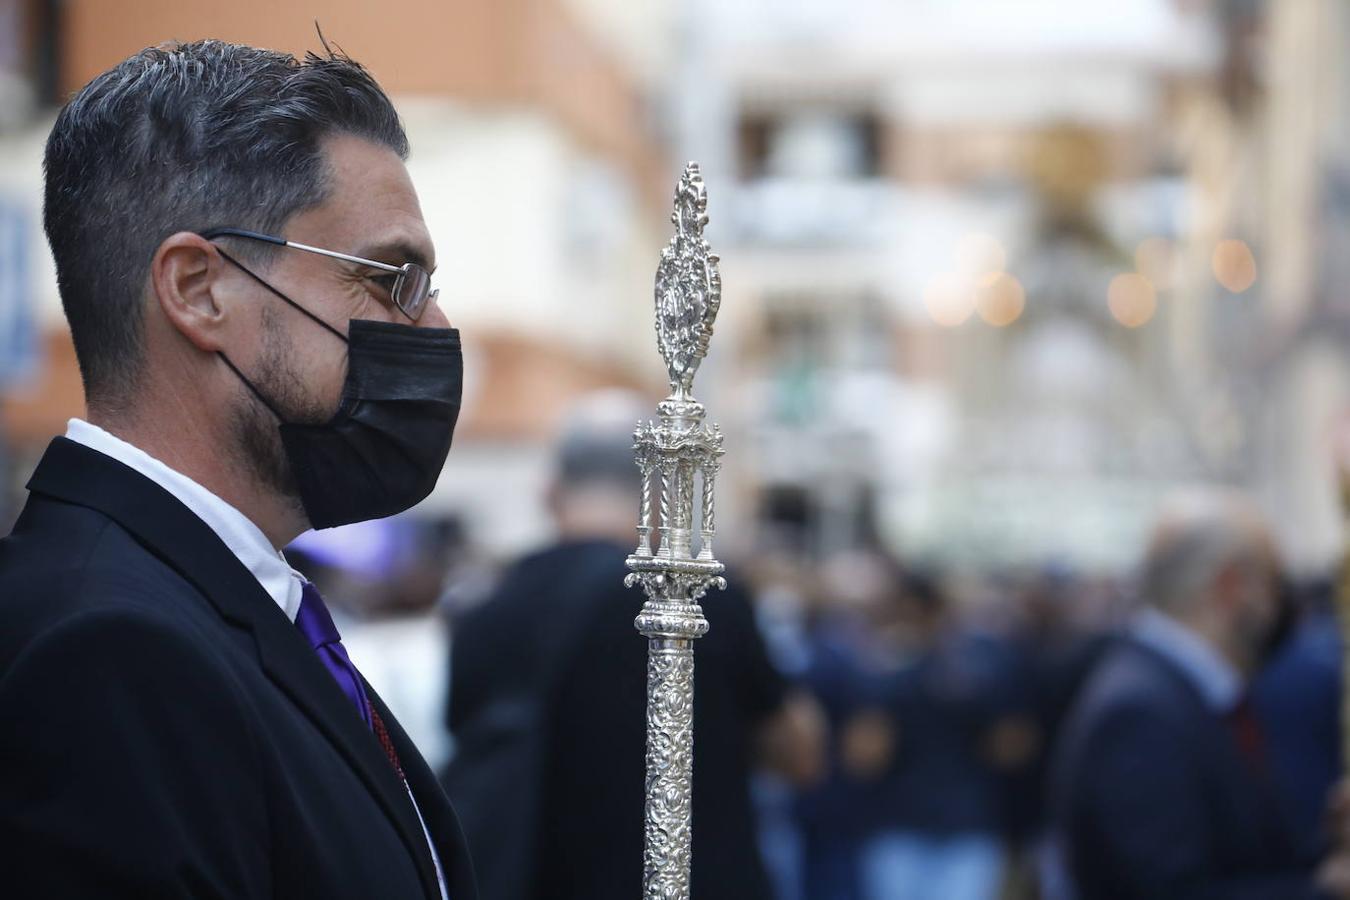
{"type": "Point", "coordinates": [186, 137]}
{"type": "Point", "coordinates": [1199, 532]}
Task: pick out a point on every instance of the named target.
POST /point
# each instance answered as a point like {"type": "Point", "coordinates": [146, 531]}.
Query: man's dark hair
{"type": "Point", "coordinates": [184, 137]}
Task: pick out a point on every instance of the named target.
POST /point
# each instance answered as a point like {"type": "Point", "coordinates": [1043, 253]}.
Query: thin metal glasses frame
{"type": "Point", "coordinates": [419, 275]}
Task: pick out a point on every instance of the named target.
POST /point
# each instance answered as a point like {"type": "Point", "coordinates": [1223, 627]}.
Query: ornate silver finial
{"type": "Point", "coordinates": [679, 458]}
{"type": "Point", "coordinates": [688, 285]}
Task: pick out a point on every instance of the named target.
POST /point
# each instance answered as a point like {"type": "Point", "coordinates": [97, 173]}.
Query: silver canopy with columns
{"type": "Point", "coordinates": [679, 457]}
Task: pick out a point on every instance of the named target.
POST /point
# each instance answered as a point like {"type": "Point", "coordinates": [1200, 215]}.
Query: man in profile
{"type": "Point", "coordinates": [1160, 783]}
{"type": "Point", "coordinates": [245, 269]}
{"type": "Point", "coordinates": [548, 702]}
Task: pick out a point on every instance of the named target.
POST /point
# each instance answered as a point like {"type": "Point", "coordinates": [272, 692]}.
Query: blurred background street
{"type": "Point", "coordinates": [998, 278]}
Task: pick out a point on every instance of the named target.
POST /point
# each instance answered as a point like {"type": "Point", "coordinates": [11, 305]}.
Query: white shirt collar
{"type": "Point", "coordinates": [1216, 678]}
{"type": "Point", "coordinates": [245, 540]}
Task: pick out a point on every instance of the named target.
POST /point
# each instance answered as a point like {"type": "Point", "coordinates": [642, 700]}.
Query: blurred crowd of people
{"type": "Point", "coordinates": [1040, 734]}
{"type": "Point", "coordinates": [868, 727]}
{"type": "Point", "coordinates": [938, 721]}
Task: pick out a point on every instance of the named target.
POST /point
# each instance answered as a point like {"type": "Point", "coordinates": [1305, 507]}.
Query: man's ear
{"type": "Point", "coordinates": [186, 276]}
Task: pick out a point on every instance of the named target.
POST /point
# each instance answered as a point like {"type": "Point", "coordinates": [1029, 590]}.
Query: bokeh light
{"type": "Point", "coordinates": [1132, 299]}
{"type": "Point", "coordinates": [949, 299]}
{"type": "Point", "coordinates": [1234, 265]}
{"type": "Point", "coordinates": [1000, 299]}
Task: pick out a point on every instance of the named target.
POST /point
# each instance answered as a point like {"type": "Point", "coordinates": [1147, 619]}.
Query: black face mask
{"type": "Point", "coordinates": [384, 448]}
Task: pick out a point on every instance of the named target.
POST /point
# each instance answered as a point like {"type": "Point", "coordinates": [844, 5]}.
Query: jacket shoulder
{"type": "Point", "coordinates": [1131, 699]}
{"type": "Point", "coordinates": [1132, 680]}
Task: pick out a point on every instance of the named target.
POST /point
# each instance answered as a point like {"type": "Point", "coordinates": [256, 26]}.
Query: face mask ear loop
{"type": "Point", "coordinates": [248, 384]}
{"type": "Point", "coordinates": [339, 335]}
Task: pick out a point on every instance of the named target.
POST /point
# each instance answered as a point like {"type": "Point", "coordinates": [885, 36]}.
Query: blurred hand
{"type": "Point", "coordinates": [792, 741]}
{"type": "Point", "coordinates": [867, 745]}
{"type": "Point", "coordinates": [1333, 875]}
{"type": "Point", "coordinates": [1012, 743]}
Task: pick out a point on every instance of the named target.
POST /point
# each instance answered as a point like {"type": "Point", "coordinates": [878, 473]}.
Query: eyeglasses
{"type": "Point", "coordinates": [412, 286]}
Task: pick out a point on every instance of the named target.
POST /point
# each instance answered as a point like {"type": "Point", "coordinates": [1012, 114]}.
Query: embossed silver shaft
{"type": "Point", "coordinates": [672, 453]}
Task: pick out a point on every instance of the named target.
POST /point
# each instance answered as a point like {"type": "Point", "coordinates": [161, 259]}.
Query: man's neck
{"type": "Point", "coordinates": [197, 453]}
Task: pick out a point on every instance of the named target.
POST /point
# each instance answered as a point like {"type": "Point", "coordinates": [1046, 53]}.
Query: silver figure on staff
{"type": "Point", "coordinates": [679, 456]}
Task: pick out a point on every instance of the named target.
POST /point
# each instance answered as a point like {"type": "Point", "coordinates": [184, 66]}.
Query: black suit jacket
{"type": "Point", "coordinates": [557, 635]}
{"type": "Point", "coordinates": [165, 731]}
{"type": "Point", "coordinates": [1153, 798]}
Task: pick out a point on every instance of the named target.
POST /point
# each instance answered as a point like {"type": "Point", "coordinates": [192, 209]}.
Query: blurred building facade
{"type": "Point", "coordinates": [1001, 275]}
{"type": "Point", "coordinates": [996, 276]}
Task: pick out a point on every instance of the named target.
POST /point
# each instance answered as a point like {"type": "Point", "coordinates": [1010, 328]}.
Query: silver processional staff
{"type": "Point", "coordinates": [678, 456]}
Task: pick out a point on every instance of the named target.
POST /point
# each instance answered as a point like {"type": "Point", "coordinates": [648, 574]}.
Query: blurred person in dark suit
{"type": "Point", "coordinates": [1055, 650]}
{"type": "Point", "coordinates": [243, 263]}
{"type": "Point", "coordinates": [1297, 698]}
{"type": "Point", "coordinates": [548, 702]}
{"type": "Point", "coordinates": [1160, 782]}
{"type": "Point", "coordinates": [849, 650]}
{"type": "Point", "coordinates": [1056, 634]}
{"type": "Point", "coordinates": [947, 724]}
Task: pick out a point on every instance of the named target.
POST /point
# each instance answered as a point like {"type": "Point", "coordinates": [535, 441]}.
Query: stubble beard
{"type": "Point", "coordinates": [256, 428]}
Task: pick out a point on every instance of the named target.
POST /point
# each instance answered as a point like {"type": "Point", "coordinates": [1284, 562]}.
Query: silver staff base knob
{"type": "Point", "coordinates": [679, 457]}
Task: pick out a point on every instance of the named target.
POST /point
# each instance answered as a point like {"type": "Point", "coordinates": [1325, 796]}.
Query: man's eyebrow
{"type": "Point", "coordinates": [396, 253]}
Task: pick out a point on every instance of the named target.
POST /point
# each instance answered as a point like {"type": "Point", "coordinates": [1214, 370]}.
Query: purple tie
{"type": "Point", "coordinates": [317, 626]}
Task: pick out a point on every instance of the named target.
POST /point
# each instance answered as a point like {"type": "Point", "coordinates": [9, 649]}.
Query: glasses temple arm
{"type": "Point", "coordinates": [282, 242]}
{"type": "Point", "coordinates": [214, 233]}
{"type": "Point", "coordinates": [345, 257]}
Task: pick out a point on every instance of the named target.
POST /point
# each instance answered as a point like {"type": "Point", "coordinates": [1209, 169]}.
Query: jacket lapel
{"type": "Point", "coordinates": [1255, 810]}
{"type": "Point", "coordinates": [71, 472]}
{"type": "Point", "coordinates": [442, 823]}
